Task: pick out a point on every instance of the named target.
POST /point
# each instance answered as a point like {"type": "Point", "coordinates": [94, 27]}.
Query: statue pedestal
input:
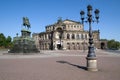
{"type": "Point", "coordinates": [24, 44]}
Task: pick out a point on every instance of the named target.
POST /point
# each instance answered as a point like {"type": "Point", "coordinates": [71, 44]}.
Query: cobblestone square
{"type": "Point", "coordinates": [58, 65]}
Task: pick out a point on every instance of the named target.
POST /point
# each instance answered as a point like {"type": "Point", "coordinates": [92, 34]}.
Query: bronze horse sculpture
{"type": "Point", "coordinates": [26, 22]}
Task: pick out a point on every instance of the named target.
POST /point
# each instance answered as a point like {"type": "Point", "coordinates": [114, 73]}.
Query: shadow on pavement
{"type": "Point", "coordinates": [78, 66]}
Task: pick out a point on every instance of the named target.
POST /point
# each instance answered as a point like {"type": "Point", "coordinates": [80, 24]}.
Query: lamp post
{"type": "Point", "coordinates": [91, 57]}
{"type": "Point", "coordinates": [84, 45]}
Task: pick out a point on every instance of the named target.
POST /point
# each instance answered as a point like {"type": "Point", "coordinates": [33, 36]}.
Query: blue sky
{"type": "Point", "coordinates": [45, 12]}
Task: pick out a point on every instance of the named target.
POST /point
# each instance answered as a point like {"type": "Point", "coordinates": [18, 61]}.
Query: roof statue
{"type": "Point", "coordinates": [59, 20]}
{"type": "Point", "coordinates": [26, 22]}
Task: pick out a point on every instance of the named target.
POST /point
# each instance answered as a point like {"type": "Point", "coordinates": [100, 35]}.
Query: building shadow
{"type": "Point", "coordinates": [77, 66]}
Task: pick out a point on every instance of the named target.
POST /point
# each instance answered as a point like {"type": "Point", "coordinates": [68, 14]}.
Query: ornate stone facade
{"type": "Point", "coordinates": [65, 35]}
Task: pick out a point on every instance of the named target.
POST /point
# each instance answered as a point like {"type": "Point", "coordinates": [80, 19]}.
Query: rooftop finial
{"type": "Point", "coordinates": [59, 19]}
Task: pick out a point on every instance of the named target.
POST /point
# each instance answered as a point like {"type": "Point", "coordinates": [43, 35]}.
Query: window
{"type": "Point", "coordinates": [68, 36]}
{"type": "Point", "coordinates": [77, 36]}
{"type": "Point", "coordinates": [73, 36]}
{"type": "Point", "coordinates": [81, 36]}
{"type": "Point", "coordinates": [68, 45]}
{"type": "Point", "coordinates": [49, 36]}
{"type": "Point", "coordinates": [64, 27]}
{"type": "Point", "coordinates": [85, 36]}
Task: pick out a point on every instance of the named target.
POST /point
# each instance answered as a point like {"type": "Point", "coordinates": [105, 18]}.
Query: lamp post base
{"type": "Point", "coordinates": [91, 64]}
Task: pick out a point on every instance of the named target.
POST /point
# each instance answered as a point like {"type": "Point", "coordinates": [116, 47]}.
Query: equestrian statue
{"type": "Point", "coordinates": [26, 22]}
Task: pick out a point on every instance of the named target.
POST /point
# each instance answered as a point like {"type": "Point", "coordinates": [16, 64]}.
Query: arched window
{"type": "Point", "coordinates": [73, 36]}
{"type": "Point", "coordinates": [59, 29]}
{"type": "Point", "coordinates": [77, 36]}
{"type": "Point", "coordinates": [81, 36]}
{"type": "Point", "coordinates": [73, 46]}
{"type": "Point", "coordinates": [68, 36]}
{"type": "Point", "coordinates": [85, 36]}
{"type": "Point", "coordinates": [68, 45]}
{"type": "Point", "coordinates": [49, 36]}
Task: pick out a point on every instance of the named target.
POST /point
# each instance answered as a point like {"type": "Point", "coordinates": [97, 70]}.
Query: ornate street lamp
{"type": "Point", "coordinates": [91, 57]}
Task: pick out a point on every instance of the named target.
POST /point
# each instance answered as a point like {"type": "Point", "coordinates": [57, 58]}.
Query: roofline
{"type": "Point", "coordinates": [72, 21]}
{"type": "Point", "coordinates": [63, 21]}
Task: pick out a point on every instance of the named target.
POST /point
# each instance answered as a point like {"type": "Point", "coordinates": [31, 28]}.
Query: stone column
{"type": "Point", "coordinates": [55, 46]}
{"type": "Point", "coordinates": [46, 36]}
{"type": "Point", "coordinates": [64, 45]}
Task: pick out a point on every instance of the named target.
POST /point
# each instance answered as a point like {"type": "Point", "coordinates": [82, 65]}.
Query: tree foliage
{"type": "Point", "coordinates": [5, 42]}
{"type": "Point", "coordinates": [112, 44]}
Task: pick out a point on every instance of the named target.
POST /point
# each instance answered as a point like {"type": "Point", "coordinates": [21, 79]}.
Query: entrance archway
{"type": "Point", "coordinates": [59, 46]}
{"type": "Point", "coordinates": [102, 45]}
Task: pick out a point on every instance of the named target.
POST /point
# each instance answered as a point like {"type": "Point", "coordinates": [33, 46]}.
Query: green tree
{"type": "Point", "coordinates": [2, 40]}
{"type": "Point", "coordinates": [8, 42]}
{"type": "Point", "coordinates": [112, 44]}
{"type": "Point", "coordinates": [5, 42]}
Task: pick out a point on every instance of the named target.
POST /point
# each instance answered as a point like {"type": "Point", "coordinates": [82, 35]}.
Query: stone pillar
{"type": "Point", "coordinates": [47, 36]}
{"type": "Point", "coordinates": [55, 46]}
{"type": "Point", "coordinates": [64, 45]}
